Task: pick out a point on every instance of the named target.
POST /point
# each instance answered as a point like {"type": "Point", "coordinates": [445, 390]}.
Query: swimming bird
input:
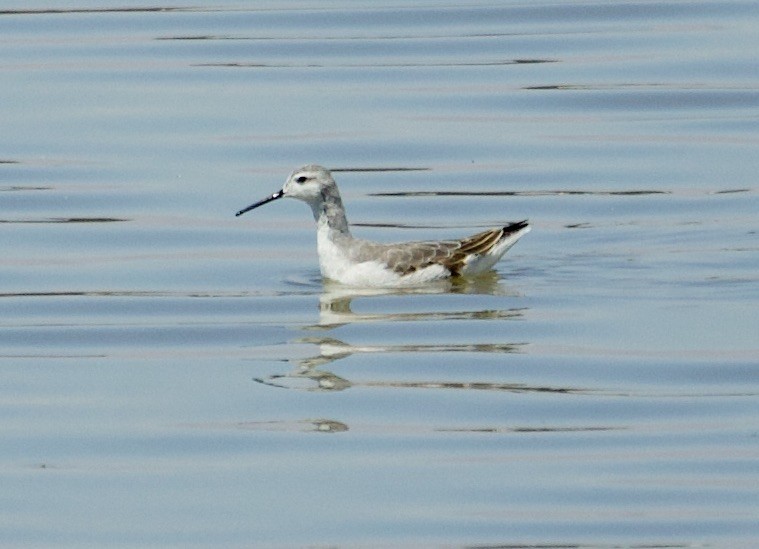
{"type": "Point", "coordinates": [356, 262]}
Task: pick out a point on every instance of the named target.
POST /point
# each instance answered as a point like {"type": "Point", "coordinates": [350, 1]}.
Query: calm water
{"type": "Point", "coordinates": [174, 376]}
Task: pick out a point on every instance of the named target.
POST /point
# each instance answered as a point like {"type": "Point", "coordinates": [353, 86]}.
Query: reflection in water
{"type": "Point", "coordinates": [335, 301]}
{"type": "Point", "coordinates": [555, 192]}
{"type": "Point", "coordinates": [335, 310]}
{"type": "Point", "coordinates": [67, 220]}
{"type": "Point", "coordinates": [566, 192]}
{"type": "Point", "coordinates": [125, 293]}
{"type": "Point", "coordinates": [64, 11]}
{"type": "Point", "coordinates": [307, 377]}
{"type": "Point", "coordinates": [323, 425]}
{"type": "Point", "coordinates": [22, 188]}
{"type": "Point", "coordinates": [385, 65]}
{"type": "Point", "coordinates": [305, 425]}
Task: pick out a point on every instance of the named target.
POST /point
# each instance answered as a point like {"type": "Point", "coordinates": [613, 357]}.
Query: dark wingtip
{"type": "Point", "coordinates": [515, 227]}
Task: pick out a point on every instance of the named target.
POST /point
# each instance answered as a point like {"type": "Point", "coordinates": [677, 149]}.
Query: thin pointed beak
{"type": "Point", "coordinates": [276, 195]}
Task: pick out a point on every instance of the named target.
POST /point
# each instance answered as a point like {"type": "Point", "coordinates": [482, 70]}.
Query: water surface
{"type": "Point", "coordinates": [176, 376]}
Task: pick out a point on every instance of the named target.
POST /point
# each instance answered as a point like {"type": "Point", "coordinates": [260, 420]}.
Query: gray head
{"type": "Point", "coordinates": [312, 184]}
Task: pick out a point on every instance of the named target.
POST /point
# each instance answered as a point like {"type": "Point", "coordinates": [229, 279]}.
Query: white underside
{"type": "Point", "coordinates": [375, 274]}
{"type": "Point", "coordinates": [335, 265]}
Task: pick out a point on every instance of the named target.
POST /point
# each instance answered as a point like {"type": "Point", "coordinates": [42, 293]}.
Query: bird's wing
{"type": "Point", "coordinates": [409, 257]}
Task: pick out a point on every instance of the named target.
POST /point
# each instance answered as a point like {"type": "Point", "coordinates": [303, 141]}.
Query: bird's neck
{"type": "Point", "coordinates": [330, 214]}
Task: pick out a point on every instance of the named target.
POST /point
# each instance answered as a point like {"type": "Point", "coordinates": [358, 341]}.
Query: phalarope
{"type": "Point", "coordinates": [355, 262]}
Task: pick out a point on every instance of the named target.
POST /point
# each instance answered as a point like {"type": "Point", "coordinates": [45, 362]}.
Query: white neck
{"type": "Point", "coordinates": [333, 237]}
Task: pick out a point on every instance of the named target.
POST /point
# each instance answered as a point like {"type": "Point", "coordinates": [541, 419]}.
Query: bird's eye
{"type": "Point", "coordinates": [301, 179]}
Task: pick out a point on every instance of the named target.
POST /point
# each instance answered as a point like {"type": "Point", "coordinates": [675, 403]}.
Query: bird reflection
{"type": "Point", "coordinates": [335, 309]}
{"type": "Point", "coordinates": [335, 301]}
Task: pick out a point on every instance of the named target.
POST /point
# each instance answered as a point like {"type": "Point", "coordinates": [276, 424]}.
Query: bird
{"type": "Point", "coordinates": [362, 263]}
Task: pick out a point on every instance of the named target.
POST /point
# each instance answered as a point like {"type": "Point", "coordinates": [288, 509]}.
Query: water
{"type": "Point", "coordinates": [174, 376]}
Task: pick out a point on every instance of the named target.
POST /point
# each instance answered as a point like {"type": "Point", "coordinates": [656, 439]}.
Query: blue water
{"type": "Point", "coordinates": [176, 376]}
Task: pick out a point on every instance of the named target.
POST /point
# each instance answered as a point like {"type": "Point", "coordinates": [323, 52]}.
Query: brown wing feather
{"type": "Point", "coordinates": [452, 254]}
{"type": "Point", "coordinates": [479, 244]}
